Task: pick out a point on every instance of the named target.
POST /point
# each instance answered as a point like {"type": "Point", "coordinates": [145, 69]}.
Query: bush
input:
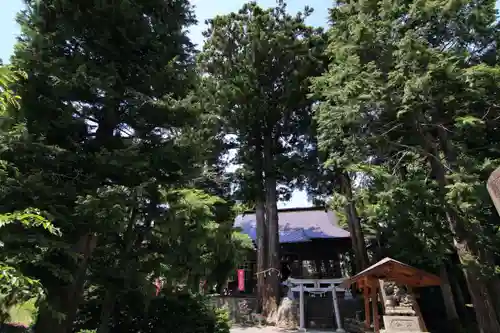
{"type": "Point", "coordinates": [184, 314]}
{"type": "Point", "coordinates": [222, 321]}
{"type": "Point", "coordinates": [164, 314]}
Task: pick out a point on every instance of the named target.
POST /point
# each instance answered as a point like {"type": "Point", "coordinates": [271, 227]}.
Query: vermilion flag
{"type": "Point", "coordinates": [241, 279]}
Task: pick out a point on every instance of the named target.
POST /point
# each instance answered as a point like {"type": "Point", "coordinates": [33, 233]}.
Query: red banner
{"type": "Point", "coordinates": [241, 279]}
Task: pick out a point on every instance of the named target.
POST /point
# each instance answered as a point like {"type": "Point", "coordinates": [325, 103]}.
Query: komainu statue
{"type": "Point", "coordinates": [398, 300]}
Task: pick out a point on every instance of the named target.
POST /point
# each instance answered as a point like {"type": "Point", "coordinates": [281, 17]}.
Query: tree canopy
{"type": "Point", "coordinates": [407, 94]}
{"type": "Point", "coordinates": [258, 62]}
{"type": "Point", "coordinates": [125, 154]}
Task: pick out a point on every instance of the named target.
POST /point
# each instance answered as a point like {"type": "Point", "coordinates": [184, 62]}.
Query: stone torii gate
{"type": "Point", "coordinates": [320, 286]}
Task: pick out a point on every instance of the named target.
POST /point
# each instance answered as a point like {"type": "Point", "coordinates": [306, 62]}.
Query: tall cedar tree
{"type": "Point", "coordinates": [101, 106]}
{"type": "Point", "coordinates": [421, 79]}
{"type": "Point", "coordinates": [331, 184]}
{"type": "Point", "coordinates": [259, 61]}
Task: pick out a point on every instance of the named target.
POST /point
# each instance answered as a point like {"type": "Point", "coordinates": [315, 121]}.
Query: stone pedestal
{"type": "Point", "coordinates": [401, 324]}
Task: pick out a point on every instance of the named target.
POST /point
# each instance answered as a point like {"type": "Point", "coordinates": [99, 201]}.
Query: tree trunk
{"type": "Point", "coordinates": [272, 279]}
{"type": "Point", "coordinates": [273, 259]}
{"type": "Point", "coordinates": [358, 240]}
{"type": "Point", "coordinates": [449, 301]}
{"type": "Point", "coordinates": [481, 299]}
{"type": "Point", "coordinates": [261, 223]}
{"type": "Point", "coordinates": [464, 244]}
{"type": "Point", "coordinates": [108, 302]}
{"type": "Point", "coordinates": [66, 299]}
{"type": "Point", "coordinates": [494, 283]}
{"type": "Point", "coordinates": [90, 242]}
{"type": "Point", "coordinates": [356, 265]}
{"type": "Point", "coordinates": [46, 320]}
{"type": "Point", "coordinates": [460, 303]}
{"type": "Point", "coordinates": [260, 216]}
{"type": "Point", "coordinates": [483, 253]}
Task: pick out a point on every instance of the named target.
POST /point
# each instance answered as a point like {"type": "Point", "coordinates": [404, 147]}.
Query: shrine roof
{"type": "Point", "coordinates": [297, 225]}
{"type": "Point", "coordinates": [396, 271]}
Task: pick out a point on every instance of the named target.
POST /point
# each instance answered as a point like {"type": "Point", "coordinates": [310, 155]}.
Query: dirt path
{"type": "Point", "coordinates": [265, 330]}
{"type": "Point", "coordinates": [256, 330]}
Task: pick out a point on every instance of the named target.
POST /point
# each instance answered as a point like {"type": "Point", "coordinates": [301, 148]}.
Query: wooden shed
{"type": "Point", "coordinates": [389, 269]}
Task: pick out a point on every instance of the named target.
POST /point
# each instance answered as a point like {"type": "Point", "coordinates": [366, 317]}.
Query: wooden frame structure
{"type": "Point", "coordinates": [391, 270]}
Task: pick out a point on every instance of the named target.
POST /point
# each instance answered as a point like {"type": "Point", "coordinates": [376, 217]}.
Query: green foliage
{"type": "Point", "coordinates": [183, 313]}
{"type": "Point", "coordinates": [24, 313]}
{"type": "Point", "coordinates": [387, 84]}
{"type": "Point", "coordinates": [119, 140]}
{"type": "Point", "coordinates": [258, 63]}
{"type": "Point", "coordinates": [15, 287]}
{"type": "Point", "coordinates": [29, 218]}
{"type": "Point", "coordinates": [407, 108]}
{"type": "Point", "coordinates": [114, 148]}
{"type": "Point", "coordinates": [8, 76]}
{"type": "Point", "coordinates": [222, 322]}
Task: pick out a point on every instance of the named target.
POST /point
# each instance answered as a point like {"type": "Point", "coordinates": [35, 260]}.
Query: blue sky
{"type": "Point", "coordinates": [205, 9]}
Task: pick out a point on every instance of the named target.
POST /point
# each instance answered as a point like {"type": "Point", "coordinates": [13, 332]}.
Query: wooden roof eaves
{"type": "Point", "coordinates": [393, 270]}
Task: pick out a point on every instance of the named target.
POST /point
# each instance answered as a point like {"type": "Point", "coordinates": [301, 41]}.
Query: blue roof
{"type": "Point", "coordinates": [297, 226]}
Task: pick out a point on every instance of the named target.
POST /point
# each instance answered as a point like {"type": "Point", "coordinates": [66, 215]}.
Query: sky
{"type": "Point", "coordinates": [204, 9]}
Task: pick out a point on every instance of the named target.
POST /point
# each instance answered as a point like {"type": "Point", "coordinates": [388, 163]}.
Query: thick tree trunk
{"type": "Point", "coordinates": [46, 319]}
{"type": "Point", "coordinates": [261, 223]}
{"type": "Point", "coordinates": [109, 302]}
{"type": "Point", "coordinates": [274, 265]}
{"type": "Point", "coordinates": [90, 242]}
{"type": "Point", "coordinates": [460, 302]}
{"type": "Point", "coordinates": [66, 299]}
{"type": "Point", "coordinates": [356, 264]}
{"type": "Point", "coordinates": [449, 301]}
{"type": "Point", "coordinates": [358, 240]}
{"type": "Point", "coordinates": [483, 253]}
{"type": "Point", "coordinates": [484, 306]}
{"type": "Point", "coordinates": [464, 244]}
{"type": "Point", "coordinates": [273, 259]}
{"type": "Point", "coordinates": [494, 283]}
{"type": "Point", "coordinates": [260, 215]}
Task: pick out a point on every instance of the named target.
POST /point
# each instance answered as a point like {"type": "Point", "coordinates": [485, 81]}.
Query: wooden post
{"type": "Point", "coordinates": [367, 304]}
{"type": "Point", "coordinates": [416, 307]}
{"type": "Point", "coordinates": [383, 295]}
{"type": "Point", "coordinates": [376, 319]}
